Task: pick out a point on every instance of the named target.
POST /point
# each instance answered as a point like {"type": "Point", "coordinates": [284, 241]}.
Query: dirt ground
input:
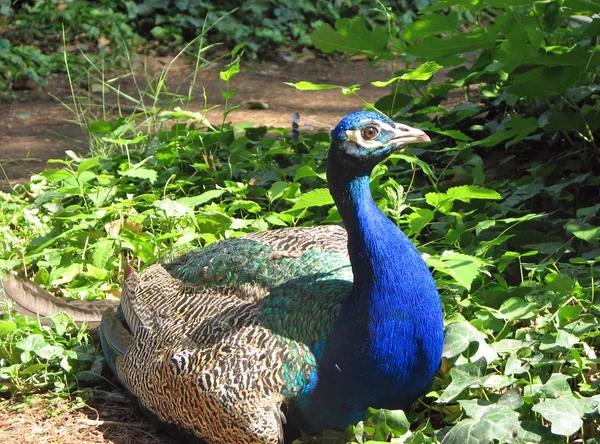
{"type": "Point", "coordinates": [35, 127]}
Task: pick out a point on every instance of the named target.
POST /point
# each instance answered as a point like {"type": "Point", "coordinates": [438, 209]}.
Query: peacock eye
{"type": "Point", "coordinates": [370, 132]}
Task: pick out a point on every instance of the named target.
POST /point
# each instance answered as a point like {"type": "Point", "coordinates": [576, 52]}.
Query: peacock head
{"type": "Point", "coordinates": [365, 138]}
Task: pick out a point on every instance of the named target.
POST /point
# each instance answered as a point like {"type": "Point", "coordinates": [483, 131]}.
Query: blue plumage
{"type": "Point", "coordinates": [387, 343]}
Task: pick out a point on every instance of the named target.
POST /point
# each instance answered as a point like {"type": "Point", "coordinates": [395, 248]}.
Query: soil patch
{"type": "Point", "coordinates": [35, 127]}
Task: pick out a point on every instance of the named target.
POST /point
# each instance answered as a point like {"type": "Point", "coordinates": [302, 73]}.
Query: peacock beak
{"type": "Point", "coordinates": [407, 134]}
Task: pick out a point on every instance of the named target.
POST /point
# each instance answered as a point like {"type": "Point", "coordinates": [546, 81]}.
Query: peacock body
{"type": "Point", "coordinates": [309, 325]}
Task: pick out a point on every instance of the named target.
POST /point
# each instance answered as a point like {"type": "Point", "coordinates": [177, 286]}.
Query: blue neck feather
{"type": "Point", "coordinates": [387, 344]}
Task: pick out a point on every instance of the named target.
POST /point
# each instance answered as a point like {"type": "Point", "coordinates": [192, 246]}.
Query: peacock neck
{"type": "Point", "coordinates": [386, 345]}
{"type": "Point", "coordinates": [391, 281]}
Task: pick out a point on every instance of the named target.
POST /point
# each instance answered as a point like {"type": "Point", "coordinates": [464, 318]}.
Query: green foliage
{"type": "Point", "coordinates": [264, 25]}
{"type": "Point", "coordinates": [503, 205]}
{"type": "Point", "coordinates": [21, 62]}
{"type": "Point", "coordinates": [111, 30]}
{"type": "Point", "coordinates": [35, 357]}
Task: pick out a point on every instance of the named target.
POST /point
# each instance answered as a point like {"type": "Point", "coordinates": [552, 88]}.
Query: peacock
{"type": "Point", "coordinates": [309, 326]}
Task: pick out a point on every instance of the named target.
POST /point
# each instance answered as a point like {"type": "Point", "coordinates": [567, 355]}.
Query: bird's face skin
{"type": "Point", "coordinates": [369, 137]}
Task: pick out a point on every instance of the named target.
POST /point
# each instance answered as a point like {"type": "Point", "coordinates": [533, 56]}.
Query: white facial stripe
{"type": "Point", "coordinates": [356, 137]}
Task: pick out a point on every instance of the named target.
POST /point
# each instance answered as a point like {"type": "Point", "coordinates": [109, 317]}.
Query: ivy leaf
{"type": "Point", "coordinates": [458, 338]}
{"type": "Point", "coordinates": [499, 424]}
{"type": "Point", "coordinates": [464, 376]}
{"type": "Point", "coordinates": [564, 413]}
{"type": "Point", "coordinates": [172, 208]}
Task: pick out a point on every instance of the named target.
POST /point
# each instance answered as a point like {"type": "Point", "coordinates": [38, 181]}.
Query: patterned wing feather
{"type": "Point", "coordinates": [226, 335]}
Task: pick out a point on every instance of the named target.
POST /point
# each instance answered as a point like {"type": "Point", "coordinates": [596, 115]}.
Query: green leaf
{"type": "Point", "coordinates": [423, 72]}
{"type": "Point", "coordinates": [30, 344]}
{"type": "Point", "coordinates": [557, 80]}
{"type": "Point", "coordinates": [460, 335]}
{"type": "Point", "coordinates": [194, 201]}
{"type": "Point", "coordinates": [87, 164]}
{"type": "Point", "coordinates": [584, 231]}
{"type": "Point", "coordinates": [303, 85]}
{"type": "Point", "coordinates": [497, 425]}
{"type": "Point", "coordinates": [141, 173]}
{"type": "Point", "coordinates": [431, 25]}
{"type": "Point", "coordinates": [515, 308]}
{"type": "Point", "coordinates": [352, 37]}
{"type": "Point", "coordinates": [464, 376]}
{"type": "Point", "coordinates": [7, 327]}
{"type": "Point", "coordinates": [172, 208]}
{"type": "Point", "coordinates": [463, 268]}
{"type": "Point", "coordinates": [431, 48]}
{"type": "Point", "coordinates": [313, 198]}
{"type": "Point", "coordinates": [230, 72]}
{"type": "Point", "coordinates": [565, 414]}
{"type": "Point", "coordinates": [467, 192]}
{"type": "Point", "coordinates": [104, 251]}
{"type": "Point", "coordinates": [66, 274]}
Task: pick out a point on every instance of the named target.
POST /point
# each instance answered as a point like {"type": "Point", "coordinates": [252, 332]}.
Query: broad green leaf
{"type": "Point", "coordinates": [467, 192]}
{"type": "Point", "coordinates": [172, 208]}
{"type": "Point", "coordinates": [516, 308]}
{"type": "Point", "coordinates": [141, 173]}
{"type": "Point", "coordinates": [463, 268]}
{"type": "Point", "coordinates": [194, 201]}
{"type": "Point", "coordinates": [30, 344]}
{"type": "Point", "coordinates": [431, 48]}
{"type": "Point", "coordinates": [307, 171]}
{"type": "Point", "coordinates": [564, 413]}
{"type": "Point", "coordinates": [440, 201]}
{"type": "Point", "coordinates": [245, 205]}
{"type": "Point", "coordinates": [313, 198]}
{"type": "Point", "coordinates": [557, 80]}
{"type": "Point", "coordinates": [431, 25]}
{"type": "Point", "coordinates": [87, 164]}
{"type": "Point", "coordinates": [7, 327]}
{"type": "Point", "coordinates": [583, 6]}
{"type": "Point", "coordinates": [277, 189]}
{"type": "Point", "coordinates": [497, 425]}
{"type": "Point", "coordinates": [50, 351]}
{"type": "Point", "coordinates": [584, 231]}
{"type": "Point", "coordinates": [66, 274]}
{"type": "Point", "coordinates": [423, 72]}
{"type": "Point", "coordinates": [350, 36]}
{"type": "Point", "coordinates": [515, 366]}
{"type": "Point", "coordinates": [419, 218]}
{"type": "Point", "coordinates": [563, 341]}
{"type": "Point", "coordinates": [460, 335]}
{"type": "Point", "coordinates": [463, 377]}
{"type": "Point", "coordinates": [104, 251]}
